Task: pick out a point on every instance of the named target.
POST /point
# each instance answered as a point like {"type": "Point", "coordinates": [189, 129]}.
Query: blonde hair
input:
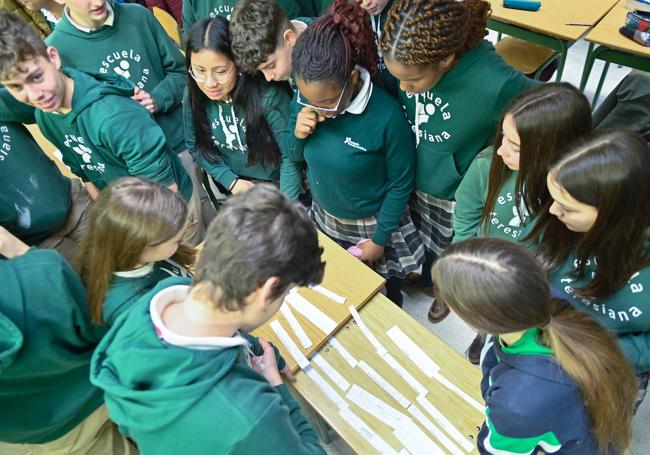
{"type": "Point", "coordinates": [128, 216]}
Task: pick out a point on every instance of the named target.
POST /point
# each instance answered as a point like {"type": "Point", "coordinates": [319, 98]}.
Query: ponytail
{"type": "Point", "coordinates": [423, 32]}
{"type": "Point", "coordinates": [588, 353]}
{"type": "Point", "coordinates": [333, 44]}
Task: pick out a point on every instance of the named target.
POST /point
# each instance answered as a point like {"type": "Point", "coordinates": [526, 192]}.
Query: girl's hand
{"type": "Point", "coordinates": [307, 121]}
{"type": "Point", "coordinates": [371, 251]}
{"type": "Point", "coordinates": [10, 245]}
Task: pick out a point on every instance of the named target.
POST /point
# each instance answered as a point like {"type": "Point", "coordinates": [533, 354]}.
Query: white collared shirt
{"type": "Point", "coordinates": [359, 103]}
{"type": "Point", "coordinates": [109, 20]}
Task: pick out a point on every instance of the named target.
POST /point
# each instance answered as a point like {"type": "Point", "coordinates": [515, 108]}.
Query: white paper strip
{"type": "Point", "coordinates": [295, 326]}
{"type": "Point", "coordinates": [366, 331]}
{"type": "Point", "coordinates": [384, 384]}
{"type": "Point", "coordinates": [434, 430]}
{"type": "Point", "coordinates": [329, 294]}
{"type": "Point", "coordinates": [458, 391]}
{"type": "Point", "coordinates": [364, 430]}
{"type": "Point", "coordinates": [377, 408]}
{"type": "Point", "coordinates": [327, 389]}
{"type": "Point", "coordinates": [417, 442]}
{"type": "Point", "coordinates": [413, 351]}
{"type": "Point", "coordinates": [331, 372]}
{"type": "Point", "coordinates": [322, 321]}
{"type": "Point", "coordinates": [291, 346]}
{"type": "Point", "coordinates": [408, 377]}
{"type": "Point", "coordinates": [445, 424]}
{"type": "Point", "coordinates": [344, 352]}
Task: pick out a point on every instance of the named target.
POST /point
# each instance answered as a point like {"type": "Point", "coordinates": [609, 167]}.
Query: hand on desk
{"type": "Point", "coordinates": [371, 251]}
{"type": "Point", "coordinates": [267, 366]}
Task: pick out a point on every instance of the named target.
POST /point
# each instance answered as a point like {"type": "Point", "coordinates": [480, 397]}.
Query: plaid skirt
{"type": "Point", "coordinates": [643, 388]}
{"type": "Point", "coordinates": [433, 218]}
{"type": "Point", "coordinates": [403, 254]}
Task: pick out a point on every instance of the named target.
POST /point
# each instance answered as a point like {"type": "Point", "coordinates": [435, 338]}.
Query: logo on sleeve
{"type": "Point", "coordinates": [126, 63]}
{"type": "Point", "coordinates": [353, 144]}
{"type": "Point", "coordinates": [5, 145]}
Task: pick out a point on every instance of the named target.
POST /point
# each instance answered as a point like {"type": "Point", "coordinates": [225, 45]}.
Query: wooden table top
{"type": "Point", "coordinates": [380, 314]}
{"type": "Point", "coordinates": [346, 276]}
{"type": "Point", "coordinates": [552, 17]}
{"type": "Point", "coordinates": [606, 32]}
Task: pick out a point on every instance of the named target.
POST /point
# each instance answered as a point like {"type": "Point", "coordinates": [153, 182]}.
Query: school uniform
{"type": "Point", "coordinates": [179, 394]}
{"type": "Point", "coordinates": [47, 341]}
{"type": "Point", "coordinates": [507, 221]}
{"type": "Point", "coordinates": [362, 184]}
{"type": "Point", "coordinates": [128, 287]}
{"type": "Point", "coordinates": [531, 403]}
{"type": "Point", "coordinates": [38, 204]}
{"type": "Point", "coordinates": [452, 122]}
{"type": "Point", "coordinates": [107, 135]}
{"type": "Point", "coordinates": [314, 8]}
{"type": "Point", "coordinates": [384, 78]}
{"type": "Point", "coordinates": [196, 10]}
{"type": "Point", "coordinates": [228, 128]}
{"type": "Point", "coordinates": [624, 313]}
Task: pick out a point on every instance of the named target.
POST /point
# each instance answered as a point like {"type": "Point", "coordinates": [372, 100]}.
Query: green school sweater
{"type": "Point", "coordinates": [127, 287]}
{"type": "Point", "coordinates": [107, 135]}
{"type": "Point", "coordinates": [228, 126]}
{"type": "Point", "coordinates": [12, 110]}
{"type": "Point", "coordinates": [195, 10]}
{"type": "Point", "coordinates": [505, 221]}
{"type": "Point", "coordinates": [174, 399]}
{"type": "Point", "coordinates": [36, 197]}
{"type": "Point", "coordinates": [362, 165]}
{"type": "Point", "coordinates": [384, 78]}
{"type": "Point", "coordinates": [137, 48]}
{"type": "Point", "coordinates": [457, 118]}
{"type": "Point", "coordinates": [626, 313]}
{"type": "Point", "coordinates": [47, 341]}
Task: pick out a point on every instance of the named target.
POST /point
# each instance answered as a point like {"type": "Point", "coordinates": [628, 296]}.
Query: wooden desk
{"type": "Point", "coordinates": [548, 26]}
{"type": "Point", "coordinates": [346, 276]}
{"type": "Point", "coordinates": [613, 47]}
{"type": "Point", "coordinates": [380, 314]}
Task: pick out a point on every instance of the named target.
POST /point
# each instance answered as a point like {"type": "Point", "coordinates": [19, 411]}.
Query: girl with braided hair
{"type": "Point", "coordinates": [356, 142]}
{"type": "Point", "coordinates": [454, 88]}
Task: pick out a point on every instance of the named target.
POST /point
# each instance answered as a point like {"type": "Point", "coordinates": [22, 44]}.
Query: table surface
{"type": "Point", "coordinates": [346, 276]}
{"type": "Point", "coordinates": [380, 314]}
{"type": "Point", "coordinates": [552, 17]}
{"type": "Point", "coordinates": [606, 32]}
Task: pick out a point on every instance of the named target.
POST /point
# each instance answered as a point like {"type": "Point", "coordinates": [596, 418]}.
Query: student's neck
{"type": "Point", "coordinates": [55, 8]}
{"type": "Point", "coordinates": [66, 104]}
{"type": "Point", "coordinates": [83, 22]}
{"type": "Point", "coordinates": [508, 339]}
{"type": "Point", "coordinates": [177, 317]}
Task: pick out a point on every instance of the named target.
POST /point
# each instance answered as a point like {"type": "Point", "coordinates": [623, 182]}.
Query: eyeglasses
{"type": "Point", "coordinates": [323, 109]}
{"type": "Point", "coordinates": [218, 76]}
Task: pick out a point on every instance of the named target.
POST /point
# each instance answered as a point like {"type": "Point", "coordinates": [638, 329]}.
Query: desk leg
{"type": "Point", "coordinates": [603, 75]}
{"type": "Point", "coordinates": [589, 64]}
{"type": "Point", "coordinates": [564, 52]}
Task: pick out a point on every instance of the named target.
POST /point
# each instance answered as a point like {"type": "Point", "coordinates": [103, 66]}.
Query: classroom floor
{"type": "Point", "coordinates": [454, 331]}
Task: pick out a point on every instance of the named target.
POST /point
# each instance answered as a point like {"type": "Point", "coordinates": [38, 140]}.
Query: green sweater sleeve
{"type": "Point", "coordinates": [12, 110]}
{"type": "Point", "coordinates": [294, 147]}
{"type": "Point", "coordinates": [636, 347]}
{"type": "Point", "coordinates": [281, 428]}
{"type": "Point", "coordinates": [167, 95]}
{"type": "Point", "coordinates": [142, 146]}
{"type": "Point", "coordinates": [277, 105]}
{"type": "Point", "coordinates": [399, 146]}
{"type": "Point", "coordinates": [188, 17]}
{"type": "Point", "coordinates": [470, 197]}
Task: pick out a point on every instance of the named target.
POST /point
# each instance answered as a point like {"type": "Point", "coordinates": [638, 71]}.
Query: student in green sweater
{"type": "Point", "coordinates": [554, 380]}
{"type": "Point", "coordinates": [43, 209]}
{"type": "Point", "coordinates": [454, 90]}
{"type": "Point", "coordinates": [235, 124]}
{"type": "Point", "coordinates": [505, 186]}
{"type": "Point", "coordinates": [263, 38]}
{"type": "Point", "coordinates": [133, 242]}
{"type": "Point", "coordinates": [378, 13]}
{"type": "Point", "coordinates": [48, 404]}
{"type": "Point", "coordinates": [127, 40]}
{"type": "Point", "coordinates": [195, 10]}
{"type": "Point", "coordinates": [355, 140]}
{"type": "Point", "coordinates": [180, 372]}
{"type": "Point", "coordinates": [594, 238]}
{"type": "Point", "coordinates": [101, 132]}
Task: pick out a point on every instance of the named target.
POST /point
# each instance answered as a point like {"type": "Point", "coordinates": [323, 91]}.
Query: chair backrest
{"type": "Point", "coordinates": [169, 24]}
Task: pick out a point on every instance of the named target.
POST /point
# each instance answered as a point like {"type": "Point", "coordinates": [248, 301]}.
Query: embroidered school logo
{"type": "Point", "coordinates": [78, 146]}
{"type": "Point", "coordinates": [5, 146]}
{"type": "Point", "coordinates": [351, 143]}
{"type": "Point", "coordinates": [431, 114]}
{"type": "Point", "coordinates": [126, 63]}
